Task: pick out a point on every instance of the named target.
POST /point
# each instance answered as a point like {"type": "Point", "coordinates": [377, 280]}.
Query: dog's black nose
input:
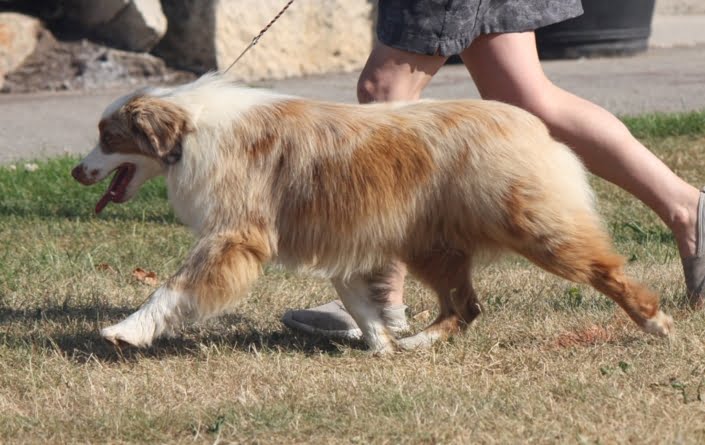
{"type": "Point", "coordinates": [79, 174]}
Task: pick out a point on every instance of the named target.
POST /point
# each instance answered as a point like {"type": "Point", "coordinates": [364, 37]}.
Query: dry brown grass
{"type": "Point", "coordinates": [548, 362]}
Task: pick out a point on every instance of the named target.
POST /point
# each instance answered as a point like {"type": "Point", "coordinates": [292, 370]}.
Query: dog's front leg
{"type": "Point", "coordinates": [218, 270]}
{"type": "Point", "coordinates": [358, 294]}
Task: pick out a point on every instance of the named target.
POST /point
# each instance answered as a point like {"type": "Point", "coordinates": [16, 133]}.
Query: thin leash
{"type": "Point", "coordinates": [256, 39]}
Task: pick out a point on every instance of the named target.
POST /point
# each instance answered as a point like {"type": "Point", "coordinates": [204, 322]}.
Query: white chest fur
{"type": "Point", "coordinates": [188, 201]}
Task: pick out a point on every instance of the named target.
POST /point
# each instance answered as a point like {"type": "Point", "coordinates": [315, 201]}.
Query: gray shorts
{"type": "Point", "coordinates": [447, 27]}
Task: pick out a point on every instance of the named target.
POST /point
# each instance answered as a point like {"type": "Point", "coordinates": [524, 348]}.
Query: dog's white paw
{"type": "Point", "coordinates": [134, 330]}
{"type": "Point", "coordinates": [384, 350]}
{"type": "Point", "coordinates": [160, 315]}
{"type": "Point", "coordinates": [660, 324]}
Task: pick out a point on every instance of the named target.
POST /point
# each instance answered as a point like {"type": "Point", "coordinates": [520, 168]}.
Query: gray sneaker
{"type": "Point", "coordinates": [694, 266]}
{"type": "Point", "coordinates": [333, 321]}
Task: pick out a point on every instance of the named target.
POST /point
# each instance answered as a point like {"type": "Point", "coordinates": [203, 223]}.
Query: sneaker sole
{"type": "Point", "coordinates": [348, 334]}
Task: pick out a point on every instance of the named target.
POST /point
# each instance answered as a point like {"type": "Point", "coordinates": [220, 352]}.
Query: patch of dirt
{"type": "Point", "coordinates": [85, 65]}
{"type": "Point", "coordinates": [589, 336]}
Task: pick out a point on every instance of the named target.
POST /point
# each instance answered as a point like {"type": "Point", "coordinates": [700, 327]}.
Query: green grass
{"type": "Point", "coordinates": [548, 361]}
{"type": "Point", "coordinates": [51, 192]}
{"type": "Point", "coordinates": [662, 125]}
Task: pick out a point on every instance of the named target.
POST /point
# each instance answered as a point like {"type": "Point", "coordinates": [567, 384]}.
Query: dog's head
{"type": "Point", "coordinates": [140, 137]}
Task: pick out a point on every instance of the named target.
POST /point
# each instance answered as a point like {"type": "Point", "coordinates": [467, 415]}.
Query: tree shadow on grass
{"type": "Point", "coordinates": [84, 344]}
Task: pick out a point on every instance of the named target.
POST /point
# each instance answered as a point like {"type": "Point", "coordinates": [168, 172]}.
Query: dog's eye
{"type": "Point", "coordinates": [105, 143]}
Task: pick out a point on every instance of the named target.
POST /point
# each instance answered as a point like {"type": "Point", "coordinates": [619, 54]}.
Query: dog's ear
{"type": "Point", "coordinates": [159, 127]}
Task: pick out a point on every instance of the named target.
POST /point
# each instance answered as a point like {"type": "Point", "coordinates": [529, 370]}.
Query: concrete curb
{"type": "Point", "coordinates": [668, 31]}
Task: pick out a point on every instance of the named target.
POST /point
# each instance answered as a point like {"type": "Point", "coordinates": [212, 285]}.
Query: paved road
{"type": "Point", "coordinates": [670, 79]}
{"type": "Point", "coordinates": [663, 79]}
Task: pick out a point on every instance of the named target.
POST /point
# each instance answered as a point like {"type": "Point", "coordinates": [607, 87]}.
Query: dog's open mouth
{"type": "Point", "coordinates": [118, 186]}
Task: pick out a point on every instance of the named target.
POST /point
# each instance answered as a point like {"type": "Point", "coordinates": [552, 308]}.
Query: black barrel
{"type": "Point", "coordinates": [608, 28]}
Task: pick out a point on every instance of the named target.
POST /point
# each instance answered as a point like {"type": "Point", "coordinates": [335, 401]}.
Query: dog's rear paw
{"type": "Point", "coordinates": [127, 332]}
{"type": "Point", "coordinates": [660, 324]}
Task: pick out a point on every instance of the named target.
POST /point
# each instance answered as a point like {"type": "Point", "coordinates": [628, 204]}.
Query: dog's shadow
{"type": "Point", "coordinates": [83, 344]}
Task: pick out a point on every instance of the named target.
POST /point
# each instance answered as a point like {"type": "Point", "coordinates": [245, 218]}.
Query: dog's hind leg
{"type": "Point", "coordinates": [448, 274]}
{"type": "Point", "coordinates": [364, 297]}
{"type": "Point", "coordinates": [583, 253]}
{"type": "Point", "coordinates": [219, 269]}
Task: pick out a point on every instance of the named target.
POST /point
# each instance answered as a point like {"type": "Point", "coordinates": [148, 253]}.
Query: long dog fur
{"type": "Point", "coordinates": [344, 190]}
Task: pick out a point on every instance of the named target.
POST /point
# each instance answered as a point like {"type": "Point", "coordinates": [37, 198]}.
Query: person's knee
{"type": "Point", "coordinates": [367, 91]}
{"type": "Point", "coordinates": [385, 87]}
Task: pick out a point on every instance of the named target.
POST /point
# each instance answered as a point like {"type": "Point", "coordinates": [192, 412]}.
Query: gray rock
{"type": "Point", "coordinates": [91, 13]}
{"type": "Point", "coordinates": [85, 65]}
{"type": "Point", "coordinates": [138, 27]}
{"type": "Point", "coordinates": [190, 40]}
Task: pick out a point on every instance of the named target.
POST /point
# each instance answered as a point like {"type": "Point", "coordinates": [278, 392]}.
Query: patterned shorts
{"type": "Point", "coordinates": [447, 27]}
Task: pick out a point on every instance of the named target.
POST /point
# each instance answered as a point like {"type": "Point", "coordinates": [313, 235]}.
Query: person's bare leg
{"type": "Point", "coordinates": [506, 67]}
{"type": "Point", "coordinates": [395, 75]}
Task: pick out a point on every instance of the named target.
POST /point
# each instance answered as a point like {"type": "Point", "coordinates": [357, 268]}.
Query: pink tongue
{"type": "Point", "coordinates": [107, 197]}
{"type": "Point", "coordinates": [110, 193]}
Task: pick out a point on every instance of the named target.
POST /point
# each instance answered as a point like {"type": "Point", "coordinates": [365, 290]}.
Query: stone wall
{"type": "Point", "coordinates": [313, 36]}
